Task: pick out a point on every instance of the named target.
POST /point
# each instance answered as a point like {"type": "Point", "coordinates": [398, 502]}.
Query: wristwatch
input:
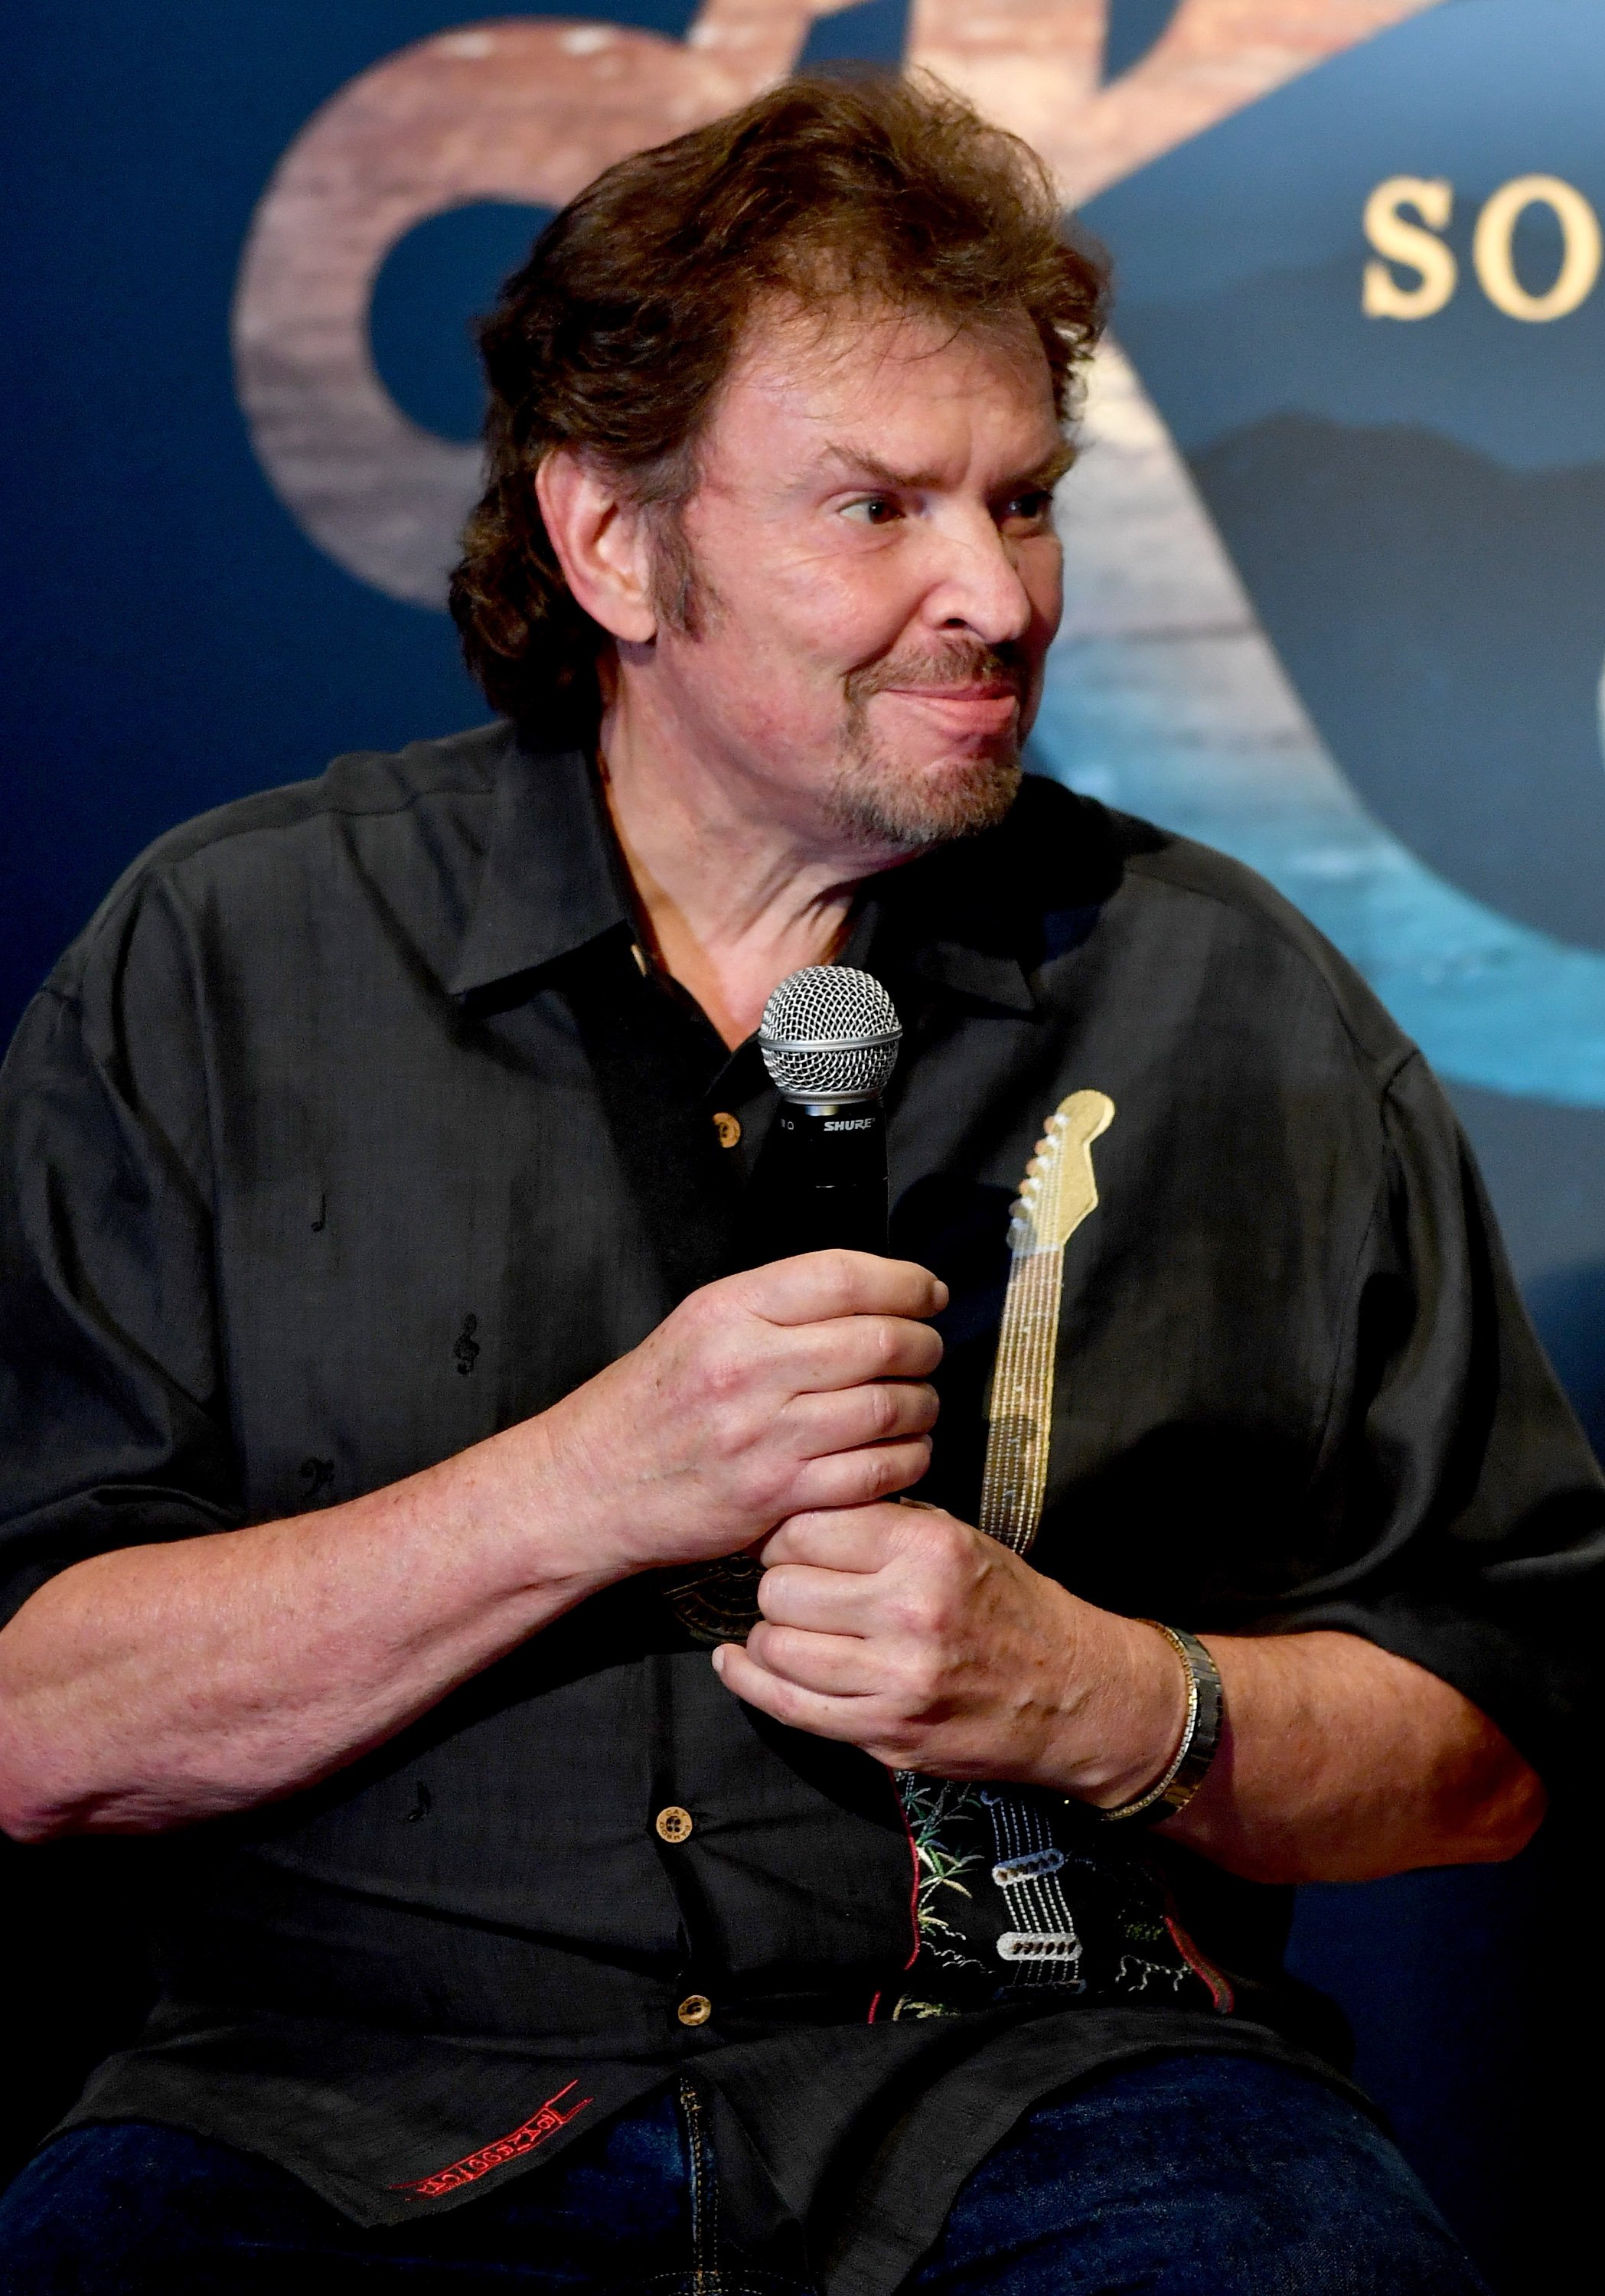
{"type": "Point", "coordinates": [1200, 1738]}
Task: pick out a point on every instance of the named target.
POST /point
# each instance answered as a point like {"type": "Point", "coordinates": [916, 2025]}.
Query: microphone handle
{"type": "Point", "coordinates": [824, 1179]}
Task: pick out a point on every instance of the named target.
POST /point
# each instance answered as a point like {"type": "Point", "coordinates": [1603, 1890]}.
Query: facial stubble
{"type": "Point", "coordinates": [883, 803]}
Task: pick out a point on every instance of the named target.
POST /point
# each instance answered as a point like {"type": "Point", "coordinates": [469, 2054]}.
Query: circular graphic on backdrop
{"type": "Point", "coordinates": [526, 111]}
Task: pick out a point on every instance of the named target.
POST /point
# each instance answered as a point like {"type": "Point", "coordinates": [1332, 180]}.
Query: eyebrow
{"type": "Point", "coordinates": [860, 464]}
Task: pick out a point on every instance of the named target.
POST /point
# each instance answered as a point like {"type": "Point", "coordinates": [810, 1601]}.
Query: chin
{"type": "Point", "coordinates": [906, 807]}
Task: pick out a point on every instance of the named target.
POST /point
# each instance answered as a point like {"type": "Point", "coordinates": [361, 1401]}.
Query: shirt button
{"type": "Point", "coordinates": [696, 2009]}
{"type": "Point", "coordinates": [673, 1824]}
{"type": "Point", "coordinates": [728, 1127]}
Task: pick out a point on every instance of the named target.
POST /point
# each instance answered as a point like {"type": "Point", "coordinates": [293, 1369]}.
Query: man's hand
{"type": "Point", "coordinates": [794, 1386]}
{"type": "Point", "coordinates": [908, 1633]}
{"type": "Point", "coordinates": [934, 1649]}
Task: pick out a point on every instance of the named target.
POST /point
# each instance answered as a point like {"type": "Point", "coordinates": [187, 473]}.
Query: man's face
{"type": "Point", "coordinates": [877, 577]}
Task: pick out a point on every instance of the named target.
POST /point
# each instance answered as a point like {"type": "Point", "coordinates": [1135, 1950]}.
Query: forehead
{"type": "Point", "coordinates": [905, 388]}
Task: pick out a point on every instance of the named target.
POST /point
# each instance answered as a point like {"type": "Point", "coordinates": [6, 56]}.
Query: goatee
{"type": "Point", "coordinates": [875, 807]}
{"type": "Point", "coordinates": [879, 803]}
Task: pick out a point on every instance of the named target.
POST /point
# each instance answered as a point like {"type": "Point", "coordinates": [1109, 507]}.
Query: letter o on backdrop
{"type": "Point", "coordinates": [525, 110]}
{"type": "Point", "coordinates": [1580, 247]}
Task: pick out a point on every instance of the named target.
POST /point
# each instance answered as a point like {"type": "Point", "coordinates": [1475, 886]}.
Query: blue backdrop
{"type": "Point", "coordinates": [1337, 601]}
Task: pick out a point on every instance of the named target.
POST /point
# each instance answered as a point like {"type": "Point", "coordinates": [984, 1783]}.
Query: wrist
{"type": "Point", "coordinates": [1202, 1732]}
{"type": "Point", "coordinates": [550, 1525]}
{"type": "Point", "coordinates": [1128, 1726]}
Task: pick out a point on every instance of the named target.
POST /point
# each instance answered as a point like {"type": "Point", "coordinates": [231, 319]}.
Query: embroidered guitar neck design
{"type": "Point", "coordinates": [1058, 1192]}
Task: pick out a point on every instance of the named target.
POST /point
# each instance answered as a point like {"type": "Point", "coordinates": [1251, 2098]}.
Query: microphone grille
{"type": "Point", "coordinates": [829, 1033]}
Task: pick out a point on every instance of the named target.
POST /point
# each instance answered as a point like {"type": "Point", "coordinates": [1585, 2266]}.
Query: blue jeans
{"type": "Point", "coordinates": [1197, 2176]}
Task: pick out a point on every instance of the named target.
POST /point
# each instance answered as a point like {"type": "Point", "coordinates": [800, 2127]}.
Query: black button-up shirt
{"type": "Point", "coordinates": [353, 1129]}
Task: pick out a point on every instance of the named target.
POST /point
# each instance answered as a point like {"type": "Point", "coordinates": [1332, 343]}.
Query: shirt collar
{"type": "Point", "coordinates": [980, 917]}
{"type": "Point", "coordinates": [977, 918]}
{"type": "Point", "coordinates": [550, 881]}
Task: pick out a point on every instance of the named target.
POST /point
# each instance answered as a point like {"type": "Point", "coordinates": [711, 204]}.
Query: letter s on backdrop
{"type": "Point", "coordinates": [1382, 297]}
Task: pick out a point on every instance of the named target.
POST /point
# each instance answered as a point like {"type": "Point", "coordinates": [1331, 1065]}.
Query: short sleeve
{"type": "Point", "coordinates": [1474, 1510]}
{"type": "Point", "coordinates": [113, 1425]}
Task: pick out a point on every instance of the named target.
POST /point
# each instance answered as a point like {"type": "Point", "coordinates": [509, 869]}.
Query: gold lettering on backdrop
{"type": "Point", "coordinates": [1382, 296]}
{"type": "Point", "coordinates": [1579, 240]}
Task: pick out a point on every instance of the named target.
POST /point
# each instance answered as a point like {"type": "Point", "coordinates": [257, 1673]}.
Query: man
{"type": "Point", "coordinates": [385, 1378]}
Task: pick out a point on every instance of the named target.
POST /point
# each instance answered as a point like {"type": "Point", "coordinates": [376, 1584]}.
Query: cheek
{"type": "Point", "coordinates": [1042, 574]}
{"type": "Point", "coordinates": [807, 621]}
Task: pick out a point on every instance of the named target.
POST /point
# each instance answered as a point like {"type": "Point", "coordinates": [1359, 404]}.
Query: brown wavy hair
{"type": "Point", "coordinates": [617, 333]}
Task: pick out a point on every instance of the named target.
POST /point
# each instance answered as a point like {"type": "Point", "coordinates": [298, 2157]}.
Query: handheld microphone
{"type": "Point", "coordinates": [829, 1039]}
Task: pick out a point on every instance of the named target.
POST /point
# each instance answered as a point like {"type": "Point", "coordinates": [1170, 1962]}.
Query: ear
{"type": "Point", "coordinates": [601, 541]}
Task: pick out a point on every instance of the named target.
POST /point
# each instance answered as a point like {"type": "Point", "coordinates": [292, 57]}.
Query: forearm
{"type": "Point", "coordinates": [160, 1685]}
{"type": "Point", "coordinates": [1339, 1762]}
{"type": "Point", "coordinates": [166, 1683]}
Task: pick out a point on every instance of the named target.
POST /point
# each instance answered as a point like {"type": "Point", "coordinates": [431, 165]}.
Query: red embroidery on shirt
{"type": "Point", "coordinates": [914, 1894]}
{"type": "Point", "coordinates": [1220, 1989]}
{"type": "Point", "coordinates": [474, 2165]}
{"type": "Point", "coordinates": [913, 1886]}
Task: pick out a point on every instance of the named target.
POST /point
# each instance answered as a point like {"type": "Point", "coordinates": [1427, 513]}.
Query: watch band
{"type": "Point", "coordinates": [1201, 1737]}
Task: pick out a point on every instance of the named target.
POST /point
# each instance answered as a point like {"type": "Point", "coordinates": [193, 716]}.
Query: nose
{"type": "Point", "coordinates": [978, 587]}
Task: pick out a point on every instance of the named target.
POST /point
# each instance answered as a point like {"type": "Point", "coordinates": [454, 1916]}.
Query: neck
{"type": "Point", "coordinates": [733, 897]}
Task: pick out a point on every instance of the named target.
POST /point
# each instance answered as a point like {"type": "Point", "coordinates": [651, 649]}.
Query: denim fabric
{"type": "Point", "coordinates": [1197, 2176]}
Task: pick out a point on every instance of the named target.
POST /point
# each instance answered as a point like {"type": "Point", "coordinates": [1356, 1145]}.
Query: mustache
{"type": "Point", "coordinates": [965, 662]}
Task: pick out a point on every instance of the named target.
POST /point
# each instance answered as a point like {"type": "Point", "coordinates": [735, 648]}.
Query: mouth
{"type": "Point", "coordinates": [992, 707]}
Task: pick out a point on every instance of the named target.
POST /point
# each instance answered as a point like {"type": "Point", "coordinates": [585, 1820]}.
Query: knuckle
{"type": "Point", "coordinates": [725, 1374]}
{"type": "Point", "coordinates": [767, 1494]}
{"type": "Point", "coordinates": [700, 1314]}
{"type": "Point", "coordinates": [886, 1408]}
{"type": "Point", "coordinates": [921, 1614]}
{"type": "Point", "coordinates": [837, 1272]}
{"type": "Point", "coordinates": [924, 1675]}
{"type": "Point", "coordinates": [877, 1473]}
{"type": "Point", "coordinates": [780, 1695]}
{"type": "Point", "coordinates": [774, 1591]}
{"type": "Point", "coordinates": [923, 1690]}
{"type": "Point", "coordinates": [948, 1547]}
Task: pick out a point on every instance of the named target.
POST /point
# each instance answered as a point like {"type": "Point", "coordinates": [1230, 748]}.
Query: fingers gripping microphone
{"type": "Point", "coordinates": [829, 1039]}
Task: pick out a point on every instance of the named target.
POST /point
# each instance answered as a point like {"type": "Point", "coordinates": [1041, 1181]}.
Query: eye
{"type": "Point", "coordinates": [1032, 507]}
{"type": "Point", "coordinates": [872, 510]}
